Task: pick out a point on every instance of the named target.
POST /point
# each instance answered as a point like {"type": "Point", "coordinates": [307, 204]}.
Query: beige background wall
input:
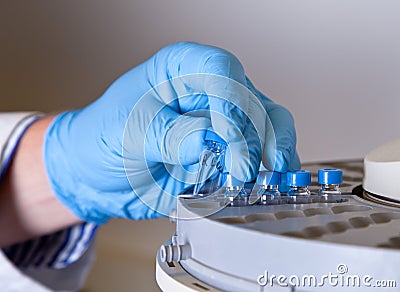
{"type": "Point", "coordinates": [335, 63]}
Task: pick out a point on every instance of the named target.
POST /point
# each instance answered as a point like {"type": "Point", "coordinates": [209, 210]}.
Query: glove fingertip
{"type": "Point", "coordinates": [191, 146]}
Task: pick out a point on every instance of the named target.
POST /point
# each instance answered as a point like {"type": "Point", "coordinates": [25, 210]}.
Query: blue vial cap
{"type": "Point", "coordinates": [268, 178]}
{"type": "Point", "coordinates": [212, 136]}
{"type": "Point", "coordinates": [330, 176]}
{"type": "Point", "coordinates": [298, 178]}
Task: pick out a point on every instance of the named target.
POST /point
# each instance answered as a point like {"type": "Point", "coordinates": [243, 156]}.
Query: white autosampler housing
{"type": "Point", "coordinates": [353, 245]}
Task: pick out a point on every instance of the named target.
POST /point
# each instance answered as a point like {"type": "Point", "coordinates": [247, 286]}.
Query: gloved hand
{"type": "Point", "coordinates": [132, 151]}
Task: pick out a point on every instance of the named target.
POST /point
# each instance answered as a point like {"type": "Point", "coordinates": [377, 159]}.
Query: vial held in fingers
{"type": "Point", "coordinates": [210, 177]}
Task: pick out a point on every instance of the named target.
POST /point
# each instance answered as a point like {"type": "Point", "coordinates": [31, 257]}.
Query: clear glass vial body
{"type": "Point", "coordinates": [298, 182]}
{"type": "Point", "coordinates": [330, 180]}
{"type": "Point", "coordinates": [235, 194]}
{"type": "Point", "coordinates": [269, 195]}
{"type": "Point", "coordinates": [210, 177]}
{"type": "Point", "coordinates": [329, 193]}
{"type": "Point", "coordinates": [268, 192]}
{"type": "Point", "coordinates": [299, 195]}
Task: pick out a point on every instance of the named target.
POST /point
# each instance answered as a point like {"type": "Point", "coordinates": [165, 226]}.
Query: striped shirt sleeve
{"type": "Point", "coordinates": [56, 250]}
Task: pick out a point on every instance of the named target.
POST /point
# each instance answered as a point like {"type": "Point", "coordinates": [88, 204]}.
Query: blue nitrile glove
{"type": "Point", "coordinates": [132, 151]}
{"type": "Point", "coordinates": [285, 157]}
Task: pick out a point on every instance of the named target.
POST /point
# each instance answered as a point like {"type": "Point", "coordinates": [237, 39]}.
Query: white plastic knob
{"type": "Point", "coordinates": [382, 170]}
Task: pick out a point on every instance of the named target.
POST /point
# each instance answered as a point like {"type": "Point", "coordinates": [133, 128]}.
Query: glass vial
{"type": "Point", "coordinates": [268, 192]}
{"type": "Point", "coordinates": [330, 180]}
{"type": "Point", "coordinates": [235, 193]}
{"type": "Point", "coordinates": [211, 177]}
{"type": "Point", "coordinates": [298, 182]}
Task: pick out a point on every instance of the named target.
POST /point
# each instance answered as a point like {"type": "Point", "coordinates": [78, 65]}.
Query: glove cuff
{"type": "Point", "coordinates": [66, 181]}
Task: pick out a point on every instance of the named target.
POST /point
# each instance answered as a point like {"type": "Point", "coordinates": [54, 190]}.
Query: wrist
{"type": "Point", "coordinates": [27, 202]}
{"type": "Point", "coordinates": [72, 163]}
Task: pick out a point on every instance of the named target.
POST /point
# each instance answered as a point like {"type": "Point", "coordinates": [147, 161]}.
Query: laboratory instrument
{"type": "Point", "coordinates": [352, 244]}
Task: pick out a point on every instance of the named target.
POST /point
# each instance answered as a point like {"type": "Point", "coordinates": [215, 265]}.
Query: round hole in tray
{"type": "Point", "coordinates": [338, 226]}
{"type": "Point", "coordinates": [317, 211]}
{"type": "Point", "coordinates": [350, 208]}
{"type": "Point", "coordinates": [385, 217]}
{"type": "Point", "coordinates": [395, 241]}
{"type": "Point", "coordinates": [259, 217]}
{"type": "Point", "coordinates": [232, 220]}
{"type": "Point", "coordinates": [289, 214]}
{"type": "Point", "coordinates": [294, 234]}
{"type": "Point", "coordinates": [360, 222]}
{"type": "Point", "coordinates": [313, 231]}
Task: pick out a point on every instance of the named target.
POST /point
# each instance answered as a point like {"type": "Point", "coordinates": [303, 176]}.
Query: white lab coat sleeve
{"type": "Point", "coordinates": [57, 261]}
